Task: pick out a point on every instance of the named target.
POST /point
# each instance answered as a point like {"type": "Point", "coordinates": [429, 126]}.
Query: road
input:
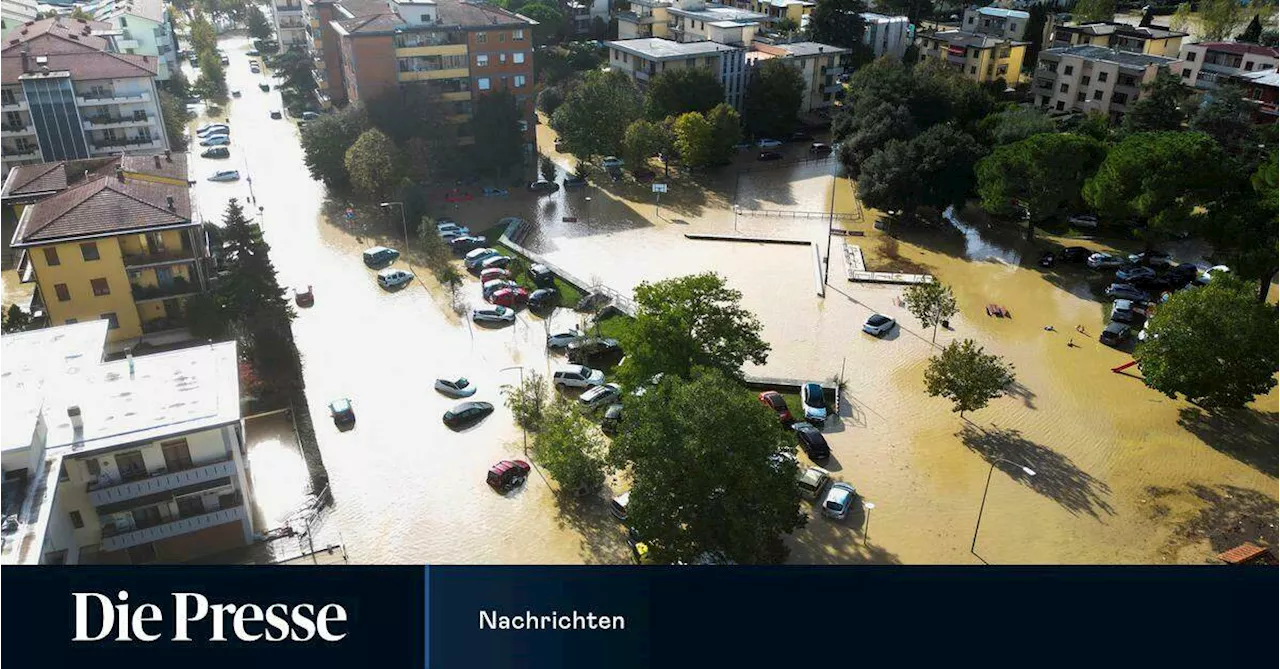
{"type": "Point", "coordinates": [407, 489]}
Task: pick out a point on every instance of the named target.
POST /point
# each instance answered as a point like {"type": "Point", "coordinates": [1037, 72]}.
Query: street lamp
{"type": "Point", "coordinates": [866, 532]}
{"type": "Point", "coordinates": [523, 432]}
{"type": "Point", "coordinates": [736, 210]}
{"type": "Point", "coordinates": [403, 223]}
{"type": "Point", "coordinates": [973, 546]}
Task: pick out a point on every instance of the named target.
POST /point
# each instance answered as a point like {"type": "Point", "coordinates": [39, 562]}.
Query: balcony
{"type": "Point", "coordinates": [20, 151]}
{"type": "Point", "coordinates": [834, 69]}
{"type": "Point", "coordinates": [142, 259]}
{"type": "Point", "coordinates": [112, 98]}
{"type": "Point", "coordinates": [632, 17]}
{"type": "Point", "coordinates": [105, 121]}
{"type": "Point", "coordinates": [180, 286]}
{"type": "Point", "coordinates": [322, 82]}
{"type": "Point", "coordinates": [833, 88]}
{"type": "Point", "coordinates": [105, 492]}
{"type": "Point", "coordinates": [14, 105]}
{"type": "Point", "coordinates": [168, 530]}
{"type": "Point", "coordinates": [19, 130]}
{"type": "Point", "coordinates": [117, 145]}
{"type": "Point", "coordinates": [289, 9]}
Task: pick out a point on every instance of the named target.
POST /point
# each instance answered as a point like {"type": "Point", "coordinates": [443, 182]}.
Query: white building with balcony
{"type": "Point", "coordinates": [584, 13]}
{"type": "Point", "coordinates": [142, 27]}
{"type": "Point", "coordinates": [63, 96]}
{"type": "Point", "coordinates": [1094, 79]}
{"type": "Point", "coordinates": [886, 35]}
{"type": "Point", "coordinates": [644, 58]}
{"type": "Point", "coordinates": [1206, 65]}
{"type": "Point", "coordinates": [135, 461]}
{"type": "Point", "coordinates": [292, 29]}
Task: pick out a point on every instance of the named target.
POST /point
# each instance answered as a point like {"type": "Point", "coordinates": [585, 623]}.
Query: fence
{"type": "Point", "coordinates": [517, 229]}
{"type": "Point", "coordinates": [782, 164]}
{"type": "Point", "coordinates": [784, 213]}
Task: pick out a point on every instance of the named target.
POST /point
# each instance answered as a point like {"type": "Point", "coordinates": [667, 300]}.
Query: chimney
{"type": "Point", "coordinates": [157, 162]}
{"type": "Point", "coordinates": [119, 174]}
{"type": "Point", "coordinates": [77, 423]}
{"type": "Point", "coordinates": [169, 200]}
{"type": "Point", "coordinates": [168, 156]}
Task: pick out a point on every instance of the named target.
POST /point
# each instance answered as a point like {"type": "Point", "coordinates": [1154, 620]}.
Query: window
{"type": "Point", "coordinates": [142, 553]}
{"type": "Point", "coordinates": [517, 57]}
{"type": "Point", "coordinates": [113, 323]}
{"type": "Point", "coordinates": [1084, 81]}
{"type": "Point", "coordinates": [100, 287]}
{"type": "Point", "coordinates": [64, 295]}
{"type": "Point", "coordinates": [482, 38]}
{"type": "Point", "coordinates": [482, 60]}
{"type": "Point", "coordinates": [191, 505]}
{"type": "Point", "coordinates": [517, 35]}
{"type": "Point", "coordinates": [76, 521]}
{"type": "Point", "coordinates": [482, 83]}
{"type": "Point", "coordinates": [1080, 97]}
{"type": "Point", "coordinates": [1063, 88]}
{"type": "Point", "coordinates": [51, 256]}
{"type": "Point", "coordinates": [131, 466]}
{"type": "Point", "coordinates": [425, 18]}
{"type": "Point", "coordinates": [1097, 95]}
{"type": "Point", "coordinates": [502, 37]}
{"type": "Point", "coordinates": [91, 466]}
{"type": "Point", "coordinates": [1119, 98]}
{"type": "Point", "coordinates": [63, 473]}
{"type": "Point", "coordinates": [1248, 65]}
{"type": "Point", "coordinates": [519, 81]}
{"type": "Point", "coordinates": [1060, 105]}
{"type": "Point", "coordinates": [147, 516]}
{"type": "Point", "coordinates": [971, 18]}
{"type": "Point", "coordinates": [502, 58]}
{"type": "Point", "coordinates": [89, 251]}
{"type": "Point", "coordinates": [973, 69]}
{"type": "Point", "coordinates": [1013, 26]}
{"type": "Point", "coordinates": [1186, 73]}
{"type": "Point", "coordinates": [1067, 69]}
{"type": "Point", "coordinates": [1191, 56]}
{"type": "Point", "coordinates": [177, 455]}
{"type": "Point", "coordinates": [1044, 100]}
{"type": "Point", "coordinates": [1102, 77]}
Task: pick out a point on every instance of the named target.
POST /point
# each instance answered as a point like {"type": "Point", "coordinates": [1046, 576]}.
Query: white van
{"type": "Point", "coordinates": [618, 507]}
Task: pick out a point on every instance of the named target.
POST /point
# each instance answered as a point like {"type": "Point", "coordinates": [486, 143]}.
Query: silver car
{"type": "Point", "coordinates": [839, 501]}
{"type": "Point", "coordinates": [600, 395]}
{"type": "Point", "coordinates": [1130, 274]}
{"type": "Point", "coordinates": [812, 482]}
{"type": "Point", "coordinates": [392, 277]}
{"type": "Point", "coordinates": [1104, 261]}
{"type": "Point", "coordinates": [456, 387]}
{"type": "Point", "coordinates": [493, 315]}
{"type": "Point", "coordinates": [476, 256]}
{"type": "Point", "coordinates": [563, 339]}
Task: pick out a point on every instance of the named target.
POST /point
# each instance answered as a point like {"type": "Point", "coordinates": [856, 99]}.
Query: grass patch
{"type": "Point", "coordinates": [570, 295]}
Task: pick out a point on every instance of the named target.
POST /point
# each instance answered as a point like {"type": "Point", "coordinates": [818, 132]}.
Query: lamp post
{"type": "Point", "coordinates": [524, 433]}
{"type": "Point", "coordinates": [736, 210]}
{"type": "Point", "coordinates": [866, 532]}
{"type": "Point", "coordinates": [973, 546]}
{"type": "Point", "coordinates": [403, 223]}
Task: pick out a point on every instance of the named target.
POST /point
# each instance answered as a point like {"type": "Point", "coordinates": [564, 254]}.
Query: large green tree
{"type": "Point", "coordinates": [212, 82]}
{"type": "Point", "coordinates": [496, 127]}
{"type": "Point", "coordinates": [935, 169]}
{"type": "Point", "coordinates": [712, 475]}
{"type": "Point", "coordinates": [1160, 107]}
{"type": "Point", "coordinates": [772, 99]}
{"type": "Point", "coordinates": [1243, 226]}
{"type": "Point", "coordinates": [643, 140]}
{"type": "Point", "coordinates": [689, 321]}
{"type": "Point", "coordinates": [726, 132]}
{"type": "Point", "coordinates": [869, 130]}
{"type": "Point", "coordinates": [570, 448]}
{"type": "Point", "coordinates": [594, 117]}
{"type": "Point", "coordinates": [931, 303]}
{"type": "Point", "coordinates": [258, 25]}
{"type": "Point", "coordinates": [1045, 173]}
{"type": "Point", "coordinates": [1094, 10]}
{"type": "Point", "coordinates": [838, 22]}
{"type": "Point", "coordinates": [1216, 345]}
{"type": "Point", "coordinates": [681, 90]}
{"type": "Point", "coordinates": [175, 115]}
{"type": "Point", "coordinates": [1014, 124]}
{"type": "Point", "coordinates": [551, 21]}
{"type": "Point", "coordinates": [325, 142]}
{"type": "Point", "coordinates": [968, 376]}
{"type": "Point", "coordinates": [374, 164]}
{"type": "Point", "coordinates": [1219, 19]}
{"type": "Point", "coordinates": [695, 139]}
{"type": "Point", "coordinates": [1227, 117]}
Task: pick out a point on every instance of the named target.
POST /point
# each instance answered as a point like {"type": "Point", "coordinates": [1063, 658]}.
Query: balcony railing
{"type": "Point", "coordinates": [111, 145]}
{"type": "Point", "coordinates": [13, 105]}
{"type": "Point", "coordinates": [17, 128]}
{"type": "Point", "coordinates": [20, 151]}
{"type": "Point", "coordinates": [105, 492]}
{"type": "Point", "coordinates": [125, 540]}
{"type": "Point", "coordinates": [180, 286]}
{"type": "Point", "coordinates": [158, 257]}
{"type": "Point", "coordinates": [112, 97]}
{"type": "Point", "coordinates": [108, 121]}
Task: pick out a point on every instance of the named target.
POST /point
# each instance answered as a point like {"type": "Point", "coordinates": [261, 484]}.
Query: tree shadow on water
{"type": "Point", "coordinates": [1228, 516]}
{"type": "Point", "coordinates": [603, 539]}
{"type": "Point", "coordinates": [1246, 435]}
{"type": "Point", "coordinates": [1056, 476]}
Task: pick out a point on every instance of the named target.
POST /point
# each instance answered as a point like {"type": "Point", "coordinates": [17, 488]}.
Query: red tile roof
{"type": "Point", "coordinates": [82, 66]}
{"type": "Point", "coordinates": [42, 179]}
{"type": "Point", "coordinates": [64, 28]}
{"type": "Point", "coordinates": [104, 206]}
{"type": "Point", "coordinates": [1239, 48]}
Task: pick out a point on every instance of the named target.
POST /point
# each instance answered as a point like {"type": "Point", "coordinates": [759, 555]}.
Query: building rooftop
{"type": "Point", "coordinates": [452, 14]}
{"type": "Point", "coordinates": [1004, 13]}
{"type": "Point", "coordinates": [356, 8]}
{"type": "Point", "coordinates": [802, 49]}
{"type": "Point", "coordinates": [64, 28]}
{"type": "Point", "coordinates": [83, 57]}
{"type": "Point", "coordinates": [152, 10]}
{"type": "Point", "coordinates": [1261, 77]}
{"type": "Point", "coordinates": [1238, 48]}
{"type": "Point", "coordinates": [1103, 54]}
{"type": "Point", "coordinates": [656, 48]}
{"type": "Point", "coordinates": [720, 15]}
{"type": "Point", "coordinates": [1113, 28]}
{"type": "Point", "coordinates": [872, 16]}
{"type": "Point", "coordinates": [44, 179]}
{"type": "Point", "coordinates": [103, 206]}
{"type": "Point", "coordinates": [968, 39]}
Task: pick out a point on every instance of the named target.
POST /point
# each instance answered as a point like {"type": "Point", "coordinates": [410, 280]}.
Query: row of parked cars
{"type": "Point", "coordinates": [1140, 278]}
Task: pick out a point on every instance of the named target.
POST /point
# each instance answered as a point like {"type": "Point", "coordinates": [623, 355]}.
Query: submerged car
{"type": "Point", "coordinates": [507, 474]}
{"type": "Point", "coordinates": [467, 413]}
{"type": "Point", "coordinates": [491, 262]}
{"type": "Point", "coordinates": [509, 297]}
{"type": "Point", "coordinates": [812, 482]}
{"type": "Point", "coordinates": [456, 387]}
{"type": "Point", "coordinates": [774, 400]}
{"type": "Point", "coordinates": [495, 192]}
{"type": "Point", "coordinates": [612, 419]}
{"type": "Point", "coordinates": [878, 325]}
{"type": "Point", "coordinates": [1114, 334]}
{"type": "Point", "coordinates": [225, 175]}
{"type": "Point", "coordinates": [493, 274]}
{"type": "Point", "coordinates": [839, 501]}
{"type": "Point", "coordinates": [464, 244]}
{"type": "Point", "coordinates": [477, 256]}
{"type": "Point", "coordinates": [1131, 274]}
{"type": "Point", "coordinates": [342, 412]}
{"type": "Point", "coordinates": [562, 339]}
{"type": "Point", "coordinates": [766, 143]}
{"type": "Point", "coordinates": [1074, 254]}
{"type": "Point", "coordinates": [489, 288]}
{"type": "Point", "coordinates": [611, 162]}
{"type": "Point", "coordinates": [377, 256]}
{"type": "Point", "coordinates": [216, 152]}
{"type": "Point", "coordinates": [275, 114]}
{"type": "Point", "coordinates": [769, 155]}
{"type": "Point", "coordinates": [216, 140]}
{"type": "Point", "coordinates": [493, 315]}
{"type": "Point", "coordinates": [1104, 261]}
{"type": "Point", "coordinates": [393, 277]}
{"type": "Point", "coordinates": [1124, 291]}
{"type": "Point", "coordinates": [543, 298]}
{"type": "Point", "coordinates": [815, 403]}
{"type": "Point", "coordinates": [812, 441]}
{"type": "Point", "coordinates": [600, 396]}
{"type": "Point", "coordinates": [304, 297]}
{"type": "Point", "coordinates": [543, 187]}
{"type": "Point", "coordinates": [213, 129]}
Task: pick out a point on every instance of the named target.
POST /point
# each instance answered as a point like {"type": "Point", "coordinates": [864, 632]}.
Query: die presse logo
{"type": "Point", "coordinates": [190, 616]}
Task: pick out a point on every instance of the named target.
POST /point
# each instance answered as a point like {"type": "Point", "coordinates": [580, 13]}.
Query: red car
{"type": "Point", "coordinates": [493, 274]}
{"type": "Point", "coordinates": [507, 474]}
{"type": "Point", "coordinates": [773, 400]}
{"type": "Point", "coordinates": [456, 195]}
{"type": "Point", "coordinates": [509, 297]}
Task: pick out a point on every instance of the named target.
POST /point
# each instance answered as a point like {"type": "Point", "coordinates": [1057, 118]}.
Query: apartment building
{"type": "Point", "coordinates": [141, 460]}
{"type": "Point", "coordinates": [15, 13]}
{"type": "Point", "coordinates": [583, 14]}
{"type": "Point", "coordinates": [696, 21]}
{"type": "Point", "coordinates": [1091, 78]}
{"type": "Point", "coordinates": [1205, 65]}
{"type": "Point", "coordinates": [886, 35]}
{"type": "Point", "coordinates": [777, 10]}
{"type": "Point", "coordinates": [141, 27]}
{"type": "Point", "coordinates": [646, 57]}
{"type": "Point", "coordinates": [456, 49]}
{"type": "Point", "coordinates": [292, 30]}
{"type": "Point", "coordinates": [982, 58]}
{"type": "Point", "coordinates": [1119, 36]}
{"type": "Point", "coordinates": [646, 18]}
{"type": "Point", "coordinates": [820, 66]}
{"type": "Point", "coordinates": [64, 96]}
{"type": "Point", "coordinates": [1010, 24]}
{"type": "Point", "coordinates": [119, 243]}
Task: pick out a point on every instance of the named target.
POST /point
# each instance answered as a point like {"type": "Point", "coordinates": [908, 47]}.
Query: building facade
{"type": "Point", "coordinates": [1090, 78]}
{"type": "Point", "coordinates": [644, 58]}
{"type": "Point", "coordinates": [142, 28]}
{"type": "Point", "coordinates": [695, 21]}
{"type": "Point", "coordinates": [102, 466]}
{"type": "Point", "coordinates": [820, 66]}
{"type": "Point", "coordinates": [1206, 64]}
{"type": "Point", "coordinates": [886, 35]}
{"type": "Point", "coordinates": [584, 13]}
{"type": "Point", "coordinates": [1263, 90]}
{"type": "Point", "coordinates": [982, 58]}
{"type": "Point", "coordinates": [646, 18]}
{"type": "Point", "coordinates": [15, 13]}
{"type": "Point", "coordinates": [63, 96]}
{"type": "Point", "coordinates": [1119, 36]}
{"type": "Point", "coordinates": [292, 30]}
{"type": "Point", "coordinates": [1010, 24]}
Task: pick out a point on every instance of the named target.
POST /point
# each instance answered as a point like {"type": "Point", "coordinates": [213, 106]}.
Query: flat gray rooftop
{"type": "Point", "coordinates": [655, 48]}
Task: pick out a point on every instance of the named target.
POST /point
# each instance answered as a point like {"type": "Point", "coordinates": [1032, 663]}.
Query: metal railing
{"type": "Point", "coordinates": [156, 257]}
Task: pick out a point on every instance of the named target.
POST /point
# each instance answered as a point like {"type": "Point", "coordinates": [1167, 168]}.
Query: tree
{"type": "Point", "coordinates": [595, 115]}
{"type": "Point", "coordinates": [1216, 345]}
{"type": "Point", "coordinates": [1219, 19]}
{"type": "Point", "coordinates": [695, 139]}
{"type": "Point", "coordinates": [1252, 32]}
{"type": "Point", "coordinates": [1181, 18]}
{"type": "Point", "coordinates": [931, 303]}
{"type": "Point", "coordinates": [175, 115]}
{"type": "Point", "coordinates": [373, 163]}
{"type": "Point", "coordinates": [677, 91]}
{"type": "Point", "coordinates": [259, 26]}
{"type": "Point", "coordinates": [726, 133]}
{"type": "Point", "coordinates": [1045, 173]}
{"type": "Point", "coordinates": [1094, 10]}
{"type": "Point", "coordinates": [691, 497]}
{"type": "Point", "coordinates": [772, 99]}
{"type": "Point", "coordinates": [786, 25]}
{"type": "Point", "coordinates": [643, 140]}
{"type": "Point", "coordinates": [547, 169]}
{"type": "Point", "coordinates": [1160, 180]}
{"type": "Point", "coordinates": [1014, 125]}
{"type": "Point", "coordinates": [550, 21]}
{"type": "Point", "coordinates": [967, 376]}
{"type": "Point", "coordinates": [325, 142]}
{"type": "Point", "coordinates": [570, 448]}
{"type": "Point", "coordinates": [178, 84]}
{"type": "Point", "coordinates": [869, 130]}
{"type": "Point", "coordinates": [1160, 107]}
{"type": "Point", "coordinates": [496, 127]}
{"type": "Point", "coordinates": [1038, 15]}
{"type": "Point", "coordinates": [16, 320]}
{"type": "Point", "coordinates": [212, 82]}
{"type": "Point", "coordinates": [1270, 37]}
{"type": "Point", "coordinates": [935, 169]}
{"type": "Point", "coordinates": [527, 400]}
{"type": "Point", "coordinates": [549, 100]}
{"type": "Point", "coordinates": [688, 321]}
{"type": "Point", "coordinates": [1228, 119]}
{"type": "Point", "coordinates": [838, 22]}
{"type": "Point", "coordinates": [1244, 226]}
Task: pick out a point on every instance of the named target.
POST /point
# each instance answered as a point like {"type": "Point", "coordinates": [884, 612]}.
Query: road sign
{"type": "Point", "coordinates": [659, 188]}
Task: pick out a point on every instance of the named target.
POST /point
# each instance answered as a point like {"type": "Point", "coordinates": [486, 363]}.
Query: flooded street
{"type": "Point", "coordinates": [1123, 474]}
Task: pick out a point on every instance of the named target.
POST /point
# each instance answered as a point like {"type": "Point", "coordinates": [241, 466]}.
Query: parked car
{"type": "Point", "coordinates": [618, 506]}
{"type": "Point", "coordinates": [1047, 259]}
{"type": "Point", "coordinates": [216, 140]}
{"type": "Point", "coordinates": [815, 403]}
{"type": "Point", "coordinates": [264, 87]}
{"type": "Point", "coordinates": [1130, 274]}
{"type": "Point", "coordinates": [1084, 221]}
{"type": "Point", "coordinates": [1074, 254]}
{"type": "Point", "coordinates": [1151, 258]}
{"type": "Point", "coordinates": [393, 277]}
{"type": "Point", "coordinates": [1207, 275]}
{"type": "Point", "coordinates": [467, 413]}
{"type": "Point", "coordinates": [611, 162]}
{"type": "Point", "coordinates": [495, 192]}
{"type": "Point", "coordinates": [493, 274]}
{"type": "Point", "coordinates": [253, 52]}
{"type": "Point", "coordinates": [543, 187]}
{"type": "Point", "coordinates": [766, 143]}
{"type": "Point", "coordinates": [774, 400]}
{"type": "Point", "coordinates": [477, 256]}
{"type": "Point", "coordinates": [449, 235]}
{"type": "Point", "coordinates": [812, 482]}
{"type": "Point", "coordinates": [453, 229]}
{"type": "Point", "coordinates": [543, 298]}
{"type": "Point", "coordinates": [574, 181]}
{"type": "Point", "coordinates": [225, 175]}
{"type": "Point", "coordinates": [878, 325]}
{"type": "Point", "coordinates": [1114, 334]}
{"type": "Point", "coordinates": [493, 315]}
{"type": "Point", "coordinates": [800, 136]}
{"type": "Point", "coordinates": [562, 339]}
{"type": "Point", "coordinates": [276, 114]}
{"type": "Point", "coordinates": [612, 419]}
{"type": "Point", "coordinates": [589, 349]}
{"type": "Point", "coordinates": [304, 297]}
{"type": "Point", "coordinates": [499, 261]}
{"type": "Point", "coordinates": [600, 395]}
{"type": "Point", "coordinates": [839, 501]}
{"type": "Point", "coordinates": [1104, 261]}
{"type": "Point", "coordinates": [769, 155]}
{"type": "Point", "coordinates": [812, 441]}
{"type": "Point", "coordinates": [510, 297]}
{"type": "Point", "coordinates": [1181, 275]}
{"type": "Point", "coordinates": [488, 288]}
{"type": "Point", "coordinates": [213, 129]}
{"type": "Point", "coordinates": [466, 243]}
{"type": "Point", "coordinates": [310, 116]}
{"type": "Point", "coordinates": [820, 149]}
{"type": "Point", "coordinates": [342, 412]}
{"type": "Point", "coordinates": [507, 474]}
{"type": "Point", "coordinates": [216, 152]}
{"type": "Point", "coordinates": [1124, 291]}
{"type": "Point", "coordinates": [577, 376]}
{"type": "Point", "coordinates": [1124, 311]}
{"type": "Point", "coordinates": [255, 69]}
{"type": "Point", "coordinates": [456, 386]}
{"type": "Point", "coordinates": [615, 173]}
{"type": "Point", "coordinates": [542, 276]}
{"type": "Point", "coordinates": [379, 256]}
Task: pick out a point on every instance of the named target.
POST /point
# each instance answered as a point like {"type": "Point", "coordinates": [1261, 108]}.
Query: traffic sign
{"type": "Point", "coordinates": [659, 188]}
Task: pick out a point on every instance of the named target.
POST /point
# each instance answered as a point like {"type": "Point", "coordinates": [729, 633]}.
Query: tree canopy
{"type": "Point", "coordinates": [325, 142]}
{"type": "Point", "coordinates": [772, 99]}
{"type": "Point", "coordinates": [645, 139]}
{"type": "Point", "coordinates": [1045, 172]}
{"type": "Point", "coordinates": [707, 140]}
{"type": "Point", "coordinates": [931, 304]}
{"type": "Point", "coordinates": [496, 126]}
{"type": "Point", "coordinates": [259, 26]}
{"type": "Point", "coordinates": [678, 91]}
{"type": "Point", "coordinates": [1219, 19]}
{"type": "Point", "coordinates": [569, 447]}
{"type": "Point", "coordinates": [935, 168]}
{"type": "Point", "coordinates": [1160, 107]}
{"type": "Point", "coordinates": [594, 117]}
{"type": "Point", "coordinates": [373, 163]}
{"type": "Point", "coordinates": [1094, 10]}
{"type": "Point", "coordinates": [966, 375]}
{"type": "Point", "coordinates": [1014, 124]}
{"type": "Point", "coordinates": [838, 22]}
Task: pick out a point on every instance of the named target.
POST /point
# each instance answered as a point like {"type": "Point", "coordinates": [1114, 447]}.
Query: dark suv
{"type": "Point", "coordinates": [585, 351]}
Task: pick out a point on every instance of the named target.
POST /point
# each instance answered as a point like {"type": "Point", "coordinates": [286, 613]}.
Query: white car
{"type": "Point", "coordinates": [476, 256]}
{"type": "Point", "coordinates": [577, 376]}
{"type": "Point", "coordinates": [611, 162]}
{"type": "Point", "coordinates": [767, 143]}
{"type": "Point", "coordinates": [452, 231]}
{"type": "Point", "coordinates": [1084, 221]}
{"type": "Point", "coordinates": [562, 339]}
{"type": "Point", "coordinates": [1131, 274]}
{"type": "Point", "coordinates": [213, 129]}
{"type": "Point", "coordinates": [1104, 261]}
{"type": "Point", "coordinates": [815, 403]}
{"type": "Point", "coordinates": [456, 387]}
{"type": "Point", "coordinates": [600, 396]}
{"type": "Point", "coordinates": [878, 325]}
{"type": "Point", "coordinates": [1207, 275]}
{"type": "Point", "coordinates": [392, 277]}
{"type": "Point", "coordinates": [839, 501]}
{"type": "Point", "coordinates": [225, 175]}
{"type": "Point", "coordinates": [812, 482]}
{"type": "Point", "coordinates": [493, 315]}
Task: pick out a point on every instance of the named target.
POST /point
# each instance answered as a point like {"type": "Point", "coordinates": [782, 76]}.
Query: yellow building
{"type": "Point", "coordinates": [982, 58]}
{"type": "Point", "coordinates": [777, 10]}
{"type": "Point", "coordinates": [117, 244]}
